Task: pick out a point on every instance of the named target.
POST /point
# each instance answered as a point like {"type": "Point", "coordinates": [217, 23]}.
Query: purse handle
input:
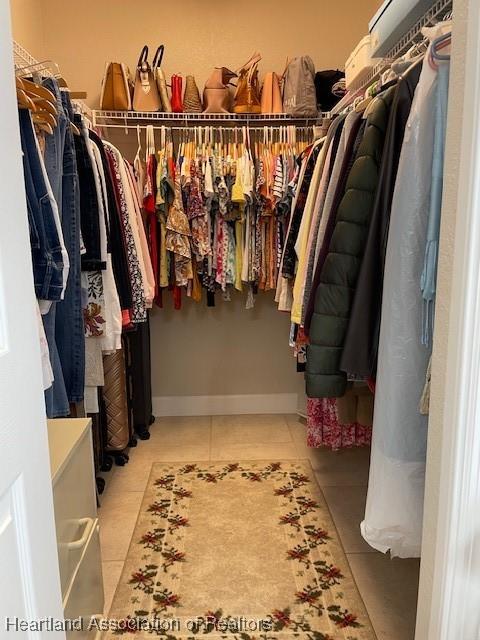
{"type": "Point", "coordinates": [157, 60]}
{"type": "Point", "coordinates": [251, 72]}
{"type": "Point", "coordinates": [143, 56]}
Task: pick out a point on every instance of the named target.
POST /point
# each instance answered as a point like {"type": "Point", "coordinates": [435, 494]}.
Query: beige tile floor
{"type": "Point", "coordinates": [389, 588]}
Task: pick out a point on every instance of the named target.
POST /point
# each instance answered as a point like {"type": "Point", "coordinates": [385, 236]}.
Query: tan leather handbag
{"type": "Point", "coordinates": [145, 93]}
{"type": "Point", "coordinates": [116, 88]}
{"type": "Point", "coordinates": [271, 101]}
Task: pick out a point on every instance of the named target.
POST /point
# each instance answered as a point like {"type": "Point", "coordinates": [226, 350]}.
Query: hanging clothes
{"type": "Point", "coordinates": [321, 210]}
{"type": "Point", "coordinates": [360, 351]}
{"type": "Point", "coordinates": [121, 186]}
{"type": "Point", "coordinates": [315, 193]}
{"type": "Point", "coordinates": [394, 511]}
{"type": "Point", "coordinates": [300, 186]}
{"type": "Point", "coordinates": [117, 241]}
{"type": "Point", "coordinates": [428, 279]}
{"type": "Point", "coordinates": [339, 273]}
{"type": "Point", "coordinates": [324, 428]}
{"type": "Point", "coordinates": [216, 211]}
{"type": "Point", "coordinates": [352, 133]}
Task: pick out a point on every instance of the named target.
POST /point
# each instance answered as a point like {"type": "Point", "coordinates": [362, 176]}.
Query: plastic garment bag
{"type": "Point", "coordinates": [394, 511]}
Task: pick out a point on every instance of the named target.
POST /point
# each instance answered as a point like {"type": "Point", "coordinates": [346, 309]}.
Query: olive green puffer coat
{"type": "Point", "coordinates": [334, 295]}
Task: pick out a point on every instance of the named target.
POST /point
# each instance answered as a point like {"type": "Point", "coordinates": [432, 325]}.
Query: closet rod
{"type": "Point", "coordinates": [206, 126]}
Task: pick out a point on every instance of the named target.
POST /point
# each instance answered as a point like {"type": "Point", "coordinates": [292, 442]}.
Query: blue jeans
{"type": "Point", "coordinates": [69, 330]}
{"type": "Point", "coordinates": [47, 260]}
{"type": "Point", "coordinates": [56, 398]}
{"type": "Point", "coordinates": [55, 144]}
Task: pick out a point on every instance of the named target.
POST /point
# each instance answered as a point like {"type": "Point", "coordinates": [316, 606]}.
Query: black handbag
{"type": "Point", "coordinates": [324, 81]}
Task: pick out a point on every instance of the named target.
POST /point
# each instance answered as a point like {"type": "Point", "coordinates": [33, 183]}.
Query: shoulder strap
{"type": "Point", "coordinates": [143, 56]}
{"type": "Point", "coordinates": [157, 60]}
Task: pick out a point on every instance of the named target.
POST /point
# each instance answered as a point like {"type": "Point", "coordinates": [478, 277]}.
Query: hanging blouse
{"type": "Point", "coordinates": [139, 310]}
{"type": "Point", "coordinates": [142, 244]}
{"type": "Point", "coordinates": [178, 236]}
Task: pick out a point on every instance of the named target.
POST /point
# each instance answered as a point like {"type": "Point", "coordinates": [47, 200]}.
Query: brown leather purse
{"type": "Point", "coordinates": [247, 95]}
{"type": "Point", "coordinates": [145, 93]}
{"type": "Point", "coordinates": [116, 94]}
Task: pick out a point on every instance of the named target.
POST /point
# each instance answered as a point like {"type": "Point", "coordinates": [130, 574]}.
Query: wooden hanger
{"type": "Point", "coordinates": [24, 101]}
{"type": "Point", "coordinates": [43, 111]}
{"type": "Point", "coordinates": [42, 124]}
{"type": "Point", "coordinates": [44, 117]}
{"type": "Point", "coordinates": [45, 105]}
{"type": "Point", "coordinates": [37, 90]}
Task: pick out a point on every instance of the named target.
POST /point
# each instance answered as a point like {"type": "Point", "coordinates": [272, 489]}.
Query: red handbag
{"type": "Point", "coordinates": [177, 104]}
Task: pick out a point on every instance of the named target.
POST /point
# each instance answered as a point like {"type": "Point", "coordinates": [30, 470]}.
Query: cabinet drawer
{"type": "Point", "coordinates": [85, 596]}
{"type": "Point", "coordinates": [75, 508]}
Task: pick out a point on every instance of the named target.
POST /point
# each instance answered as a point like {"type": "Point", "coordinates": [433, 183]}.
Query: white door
{"type": "Point", "coordinates": [29, 582]}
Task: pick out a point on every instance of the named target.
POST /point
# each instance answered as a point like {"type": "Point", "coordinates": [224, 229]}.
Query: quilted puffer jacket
{"type": "Point", "coordinates": [334, 294]}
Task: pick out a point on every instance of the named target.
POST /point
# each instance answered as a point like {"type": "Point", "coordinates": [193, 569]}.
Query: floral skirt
{"type": "Point", "coordinates": [324, 429]}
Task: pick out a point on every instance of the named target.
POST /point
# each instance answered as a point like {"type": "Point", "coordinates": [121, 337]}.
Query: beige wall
{"type": "Point", "coordinates": [200, 351]}
{"type": "Point", "coordinates": [199, 34]}
{"type": "Point", "coordinates": [27, 26]}
{"type": "Point", "coordinates": [225, 350]}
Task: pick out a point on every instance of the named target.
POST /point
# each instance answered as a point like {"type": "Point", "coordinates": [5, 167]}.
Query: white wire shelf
{"type": "Point", "coordinates": [438, 11]}
{"type": "Point", "coordinates": [22, 58]}
{"type": "Point", "coordinates": [190, 119]}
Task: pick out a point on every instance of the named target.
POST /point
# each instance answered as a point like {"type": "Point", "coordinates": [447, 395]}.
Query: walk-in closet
{"type": "Point", "coordinates": [238, 358]}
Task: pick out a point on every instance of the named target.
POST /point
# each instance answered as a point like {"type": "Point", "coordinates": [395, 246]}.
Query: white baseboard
{"type": "Point", "coordinates": [224, 405]}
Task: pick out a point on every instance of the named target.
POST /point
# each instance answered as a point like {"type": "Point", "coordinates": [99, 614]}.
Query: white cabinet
{"type": "Point", "coordinates": [75, 505]}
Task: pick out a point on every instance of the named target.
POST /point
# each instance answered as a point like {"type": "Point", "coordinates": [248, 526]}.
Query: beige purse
{"type": "Point", "coordinates": [145, 93]}
{"type": "Point", "coordinates": [161, 80]}
{"type": "Point", "coordinates": [216, 95]}
{"type": "Point", "coordinates": [116, 88]}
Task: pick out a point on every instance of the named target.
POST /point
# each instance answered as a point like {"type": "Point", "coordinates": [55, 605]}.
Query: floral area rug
{"type": "Point", "coordinates": [239, 551]}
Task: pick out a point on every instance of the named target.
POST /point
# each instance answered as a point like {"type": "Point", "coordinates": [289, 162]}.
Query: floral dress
{"type": "Point", "coordinates": [324, 429]}
{"type": "Point", "coordinates": [197, 214]}
{"type": "Point", "coordinates": [178, 236]}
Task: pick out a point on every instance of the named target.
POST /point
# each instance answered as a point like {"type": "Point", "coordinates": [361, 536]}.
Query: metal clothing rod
{"type": "Point", "coordinates": [193, 127]}
{"type": "Point", "coordinates": [188, 119]}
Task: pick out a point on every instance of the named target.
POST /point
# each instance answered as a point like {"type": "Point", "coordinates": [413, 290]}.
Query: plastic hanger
{"type": "Point", "coordinates": [439, 43]}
